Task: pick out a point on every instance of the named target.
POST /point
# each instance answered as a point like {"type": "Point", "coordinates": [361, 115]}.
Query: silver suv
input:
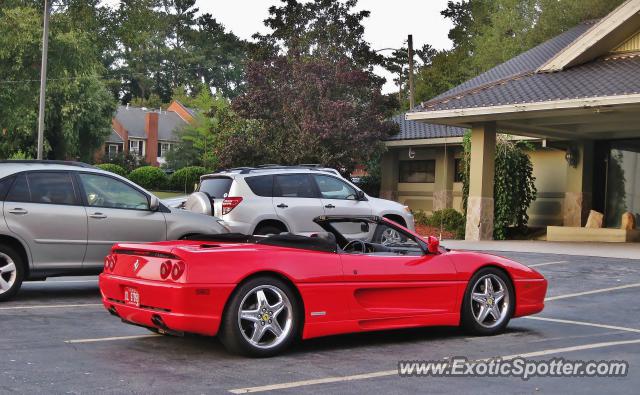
{"type": "Point", "coordinates": [61, 218]}
{"type": "Point", "coordinates": [274, 199]}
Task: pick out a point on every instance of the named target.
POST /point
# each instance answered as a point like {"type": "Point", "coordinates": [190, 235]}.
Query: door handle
{"type": "Point", "coordinates": [97, 216]}
{"type": "Point", "coordinates": [282, 205]}
{"type": "Point", "coordinates": [330, 206]}
{"type": "Point", "coordinates": [18, 211]}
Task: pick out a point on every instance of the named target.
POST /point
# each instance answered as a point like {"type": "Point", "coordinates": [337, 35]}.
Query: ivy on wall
{"type": "Point", "coordinates": [514, 184]}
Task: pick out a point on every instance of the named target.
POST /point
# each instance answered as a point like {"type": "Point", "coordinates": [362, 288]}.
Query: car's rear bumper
{"type": "Point", "coordinates": [179, 308]}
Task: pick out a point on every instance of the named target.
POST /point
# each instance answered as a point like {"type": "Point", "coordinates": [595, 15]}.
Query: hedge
{"type": "Point", "coordinates": [113, 168]}
{"type": "Point", "coordinates": [149, 177]}
{"type": "Point", "coordinates": [450, 219]}
{"type": "Point", "coordinates": [185, 179]}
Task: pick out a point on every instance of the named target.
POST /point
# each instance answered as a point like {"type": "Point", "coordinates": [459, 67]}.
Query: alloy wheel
{"type": "Point", "coordinates": [489, 301]}
{"type": "Point", "coordinates": [8, 273]}
{"type": "Point", "coordinates": [265, 316]}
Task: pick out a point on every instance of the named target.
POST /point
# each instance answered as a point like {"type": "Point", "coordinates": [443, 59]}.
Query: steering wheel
{"type": "Point", "coordinates": [352, 243]}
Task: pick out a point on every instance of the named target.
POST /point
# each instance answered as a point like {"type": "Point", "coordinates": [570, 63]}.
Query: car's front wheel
{"type": "Point", "coordinates": [262, 318]}
{"type": "Point", "coordinates": [11, 272]}
{"type": "Point", "coordinates": [488, 302]}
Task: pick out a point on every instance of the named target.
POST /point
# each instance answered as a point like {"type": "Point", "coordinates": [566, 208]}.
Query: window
{"type": "Point", "coordinates": [136, 147]}
{"type": "Point", "coordinates": [458, 170]}
{"type": "Point", "coordinates": [217, 187]}
{"type": "Point", "coordinates": [112, 150]}
{"type": "Point", "coordinates": [163, 149]}
{"type": "Point", "coordinates": [418, 171]}
{"type": "Point", "coordinates": [261, 185]}
{"type": "Point", "coordinates": [5, 184]}
{"type": "Point", "coordinates": [103, 191]}
{"type": "Point", "coordinates": [332, 188]}
{"type": "Point", "coordinates": [45, 187]}
{"type": "Point", "coordinates": [295, 186]}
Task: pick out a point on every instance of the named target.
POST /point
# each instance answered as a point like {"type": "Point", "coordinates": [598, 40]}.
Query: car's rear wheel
{"type": "Point", "coordinates": [261, 319]}
{"type": "Point", "coordinates": [488, 302]}
{"type": "Point", "coordinates": [11, 272]}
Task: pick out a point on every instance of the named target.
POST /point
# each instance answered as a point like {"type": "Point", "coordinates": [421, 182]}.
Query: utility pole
{"type": "Point", "coordinates": [43, 78]}
{"type": "Point", "coordinates": [412, 101]}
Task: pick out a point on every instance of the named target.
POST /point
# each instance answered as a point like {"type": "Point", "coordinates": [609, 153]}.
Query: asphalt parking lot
{"type": "Point", "coordinates": [55, 337]}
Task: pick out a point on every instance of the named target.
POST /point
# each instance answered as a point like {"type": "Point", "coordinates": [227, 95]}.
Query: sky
{"type": "Point", "coordinates": [388, 26]}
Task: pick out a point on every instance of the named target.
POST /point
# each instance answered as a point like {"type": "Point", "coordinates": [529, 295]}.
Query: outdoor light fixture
{"type": "Point", "coordinates": [571, 156]}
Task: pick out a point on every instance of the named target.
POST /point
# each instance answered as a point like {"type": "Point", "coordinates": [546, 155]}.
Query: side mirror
{"type": "Point", "coordinates": [364, 227]}
{"type": "Point", "coordinates": [360, 195]}
{"type": "Point", "coordinates": [154, 203]}
{"type": "Point", "coordinates": [433, 245]}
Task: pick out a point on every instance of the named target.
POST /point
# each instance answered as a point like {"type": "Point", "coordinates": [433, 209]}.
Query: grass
{"type": "Point", "coordinates": [167, 194]}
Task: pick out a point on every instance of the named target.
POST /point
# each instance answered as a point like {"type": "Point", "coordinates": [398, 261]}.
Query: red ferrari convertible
{"type": "Point", "coordinates": [259, 294]}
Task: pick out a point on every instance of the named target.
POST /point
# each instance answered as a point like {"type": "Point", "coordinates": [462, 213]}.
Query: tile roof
{"type": "Point", "coordinates": [133, 119]}
{"type": "Point", "coordinates": [602, 77]}
{"type": "Point", "coordinates": [494, 87]}
{"type": "Point", "coordinates": [420, 130]}
{"type": "Point", "coordinates": [114, 137]}
{"type": "Point", "coordinates": [527, 62]}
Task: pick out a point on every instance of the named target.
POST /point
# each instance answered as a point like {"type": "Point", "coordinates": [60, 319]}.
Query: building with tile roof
{"type": "Point", "coordinates": [577, 96]}
{"type": "Point", "coordinates": [147, 133]}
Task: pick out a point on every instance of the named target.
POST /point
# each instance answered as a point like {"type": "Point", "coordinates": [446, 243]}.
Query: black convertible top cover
{"type": "Point", "coordinates": [288, 240]}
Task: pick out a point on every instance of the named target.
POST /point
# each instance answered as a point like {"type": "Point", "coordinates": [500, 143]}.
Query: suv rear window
{"type": "Point", "coordinates": [261, 185]}
{"type": "Point", "coordinates": [216, 188]}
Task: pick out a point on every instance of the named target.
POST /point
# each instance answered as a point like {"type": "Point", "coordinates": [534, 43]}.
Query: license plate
{"type": "Point", "coordinates": [131, 297]}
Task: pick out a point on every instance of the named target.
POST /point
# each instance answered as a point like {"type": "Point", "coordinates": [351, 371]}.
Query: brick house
{"type": "Point", "coordinates": [147, 133]}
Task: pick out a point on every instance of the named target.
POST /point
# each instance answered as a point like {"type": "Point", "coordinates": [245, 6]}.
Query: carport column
{"type": "Point", "coordinates": [389, 176]}
{"type": "Point", "coordinates": [578, 195]}
{"type": "Point", "coordinates": [443, 188]}
{"type": "Point", "coordinates": [480, 203]}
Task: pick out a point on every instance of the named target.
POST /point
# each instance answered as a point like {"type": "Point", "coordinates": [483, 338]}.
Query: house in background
{"type": "Point", "coordinates": [147, 133]}
{"type": "Point", "coordinates": [578, 94]}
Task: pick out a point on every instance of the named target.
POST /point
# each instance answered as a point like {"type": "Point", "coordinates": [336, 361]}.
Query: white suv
{"type": "Point", "coordinates": [275, 199]}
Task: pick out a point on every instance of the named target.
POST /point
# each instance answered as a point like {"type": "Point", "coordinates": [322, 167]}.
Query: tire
{"type": "Point", "coordinates": [239, 336]}
{"type": "Point", "coordinates": [12, 271]}
{"type": "Point", "coordinates": [268, 230]}
{"type": "Point", "coordinates": [498, 303]}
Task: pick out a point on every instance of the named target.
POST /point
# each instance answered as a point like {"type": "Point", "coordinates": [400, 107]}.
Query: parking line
{"type": "Point", "coordinates": [595, 291]}
{"type": "Point", "coordinates": [394, 372]}
{"type": "Point", "coordinates": [108, 339]}
{"type": "Point", "coordinates": [547, 263]}
{"type": "Point", "coordinates": [618, 328]}
{"type": "Point", "coordinates": [50, 306]}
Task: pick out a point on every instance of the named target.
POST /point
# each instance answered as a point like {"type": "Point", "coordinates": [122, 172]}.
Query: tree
{"type": "Point", "coordinates": [314, 111]}
{"type": "Point", "coordinates": [311, 90]}
{"type": "Point", "coordinates": [78, 105]}
{"type": "Point", "coordinates": [514, 183]}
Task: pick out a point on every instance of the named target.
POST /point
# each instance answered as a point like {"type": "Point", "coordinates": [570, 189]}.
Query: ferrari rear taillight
{"type": "Point", "coordinates": [229, 203]}
{"type": "Point", "coordinates": [109, 263]}
{"type": "Point", "coordinates": [177, 270]}
{"type": "Point", "coordinates": [165, 269]}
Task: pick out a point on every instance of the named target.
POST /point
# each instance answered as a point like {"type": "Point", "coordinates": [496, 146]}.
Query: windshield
{"type": "Point", "coordinates": [370, 237]}
{"type": "Point", "coordinates": [216, 188]}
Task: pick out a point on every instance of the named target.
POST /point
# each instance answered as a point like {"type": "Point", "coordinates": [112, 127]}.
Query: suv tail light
{"type": "Point", "coordinates": [229, 203]}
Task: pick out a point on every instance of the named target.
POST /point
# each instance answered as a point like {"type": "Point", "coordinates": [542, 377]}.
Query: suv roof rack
{"type": "Point", "coordinates": [249, 169]}
{"type": "Point", "coordinates": [48, 162]}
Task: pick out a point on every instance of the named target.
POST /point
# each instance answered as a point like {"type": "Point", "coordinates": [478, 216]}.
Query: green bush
{"type": "Point", "coordinates": [149, 177]}
{"type": "Point", "coordinates": [514, 184]}
{"type": "Point", "coordinates": [450, 219]}
{"type": "Point", "coordinates": [113, 168]}
{"type": "Point", "coordinates": [185, 179]}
